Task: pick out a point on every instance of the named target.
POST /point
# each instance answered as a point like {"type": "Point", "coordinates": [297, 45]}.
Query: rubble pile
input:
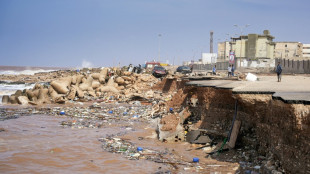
{"type": "Point", "coordinates": [123, 86]}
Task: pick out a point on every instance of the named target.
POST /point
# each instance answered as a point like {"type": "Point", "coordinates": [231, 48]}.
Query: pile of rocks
{"type": "Point", "coordinates": [123, 85]}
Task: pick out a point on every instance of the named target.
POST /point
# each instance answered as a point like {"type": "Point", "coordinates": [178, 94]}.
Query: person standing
{"type": "Point", "coordinates": [232, 70]}
{"type": "Point", "coordinates": [229, 71]}
{"type": "Point", "coordinates": [214, 70]}
{"type": "Point", "coordinates": [279, 71]}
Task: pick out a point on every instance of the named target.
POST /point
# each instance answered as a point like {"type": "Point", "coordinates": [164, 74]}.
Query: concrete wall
{"type": "Point", "coordinates": [286, 50]}
{"type": "Point", "coordinates": [294, 66]}
{"type": "Point", "coordinates": [209, 67]}
{"type": "Point", "coordinates": [258, 63]}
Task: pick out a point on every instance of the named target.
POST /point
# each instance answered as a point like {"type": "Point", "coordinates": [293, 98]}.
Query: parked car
{"type": "Point", "coordinates": [159, 71]}
{"type": "Point", "coordinates": [184, 69]}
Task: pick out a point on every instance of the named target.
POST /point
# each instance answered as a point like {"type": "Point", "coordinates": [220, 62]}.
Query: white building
{"type": "Point", "coordinates": [306, 51]}
{"type": "Point", "coordinates": [208, 58]}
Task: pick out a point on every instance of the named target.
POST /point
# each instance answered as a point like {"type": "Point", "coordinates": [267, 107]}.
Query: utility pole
{"type": "Point", "coordinates": [159, 35]}
{"type": "Point", "coordinates": [211, 41]}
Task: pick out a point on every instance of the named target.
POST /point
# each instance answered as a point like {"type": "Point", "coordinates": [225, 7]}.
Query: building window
{"type": "Point", "coordinates": [285, 45]}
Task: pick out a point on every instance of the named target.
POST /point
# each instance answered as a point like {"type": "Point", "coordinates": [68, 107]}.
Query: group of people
{"type": "Point", "coordinates": [231, 71]}
{"type": "Point", "coordinates": [136, 69]}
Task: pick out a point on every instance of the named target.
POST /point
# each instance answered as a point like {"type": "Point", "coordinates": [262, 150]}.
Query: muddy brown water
{"type": "Point", "coordinates": [38, 144]}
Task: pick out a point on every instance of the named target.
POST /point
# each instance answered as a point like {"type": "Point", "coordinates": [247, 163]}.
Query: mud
{"type": "Point", "coordinates": [273, 135]}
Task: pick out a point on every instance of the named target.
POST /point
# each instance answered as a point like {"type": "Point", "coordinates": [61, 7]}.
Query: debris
{"type": "Point", "coordinates": [251, 77]}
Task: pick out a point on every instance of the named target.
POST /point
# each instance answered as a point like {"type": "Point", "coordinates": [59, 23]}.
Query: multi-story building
{"type": "Point", "coordinates": [254, 46]}
{"type": "Point", "coordinates": [223, 49]}
{"type": "Point", "coordinates": [306, 50]}
{"type": "Point", "coordinates": [288, 50]}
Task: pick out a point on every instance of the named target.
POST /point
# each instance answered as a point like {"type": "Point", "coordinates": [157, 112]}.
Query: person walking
{"type": "Point", "coordinates": [214, 70]}
{"type": "Point", "coordinates": [279, 71]}
{"type": "Point", "coordinates": [229, 71]}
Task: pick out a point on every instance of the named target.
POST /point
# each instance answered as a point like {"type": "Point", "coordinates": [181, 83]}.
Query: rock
{"type": "Point", "coordinates": [95, 84]}
{"type": "Point", "coordinates": [72, 93]}
{"type": "Point", "coordinates": [149, 94]}
{"type": "Point", "coordinates": [43, 96]}
{"type": "Point", "coordinates": [92, 93]}
{"type": "Point", "coordinates": [18, 93]}
{"type": "Point", "coordinates": [74, 78]}
{"type": "Point", "coordinates": [87, 85]}
{"type": "Point", "coordinates": [108, 89]}
{"type": "Point", "coordinates": [203, 139]}
{"type": "Point", "coordinates": [13, 99]}
{"type": "Point", "coordinates": [23, 100]}
{"type": "Point", "coordinates": [5, 99]}
{"type": "Point", "coordinates": [95, 76]}
{"type": "Point", "coordinates": [103, 75]}
{"type": "Point", "coordinates": [79, 79]}
{"type": "Point", "coordinates": [120, 81]}
{"type": "Point", "coordinates": [79, 92]}
{"type": "Point", "coordinates": [61, 86]}
{"type": "Point", "coordinates": [191, 136]}
{"type": "Point", "coordinates": [30, 95]}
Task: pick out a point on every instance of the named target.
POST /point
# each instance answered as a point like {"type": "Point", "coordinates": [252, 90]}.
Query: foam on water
{"type": "Point", "coordinates": [9, 89]}
{"type": "Point", "coordinates": [25, 72]}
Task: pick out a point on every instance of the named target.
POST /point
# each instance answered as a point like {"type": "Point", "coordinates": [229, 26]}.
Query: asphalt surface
{"type": "Point", "coordinates": [291, 89]}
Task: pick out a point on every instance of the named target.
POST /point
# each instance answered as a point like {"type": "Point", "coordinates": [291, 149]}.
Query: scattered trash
{"type": "Point", "coordinates": [251, 77]}
{"type": "Point", "coordinates": [196, 160]}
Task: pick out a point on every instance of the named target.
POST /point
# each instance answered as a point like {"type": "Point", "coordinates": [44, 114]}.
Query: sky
{"type": "Point", "coordinates": [101, 33]}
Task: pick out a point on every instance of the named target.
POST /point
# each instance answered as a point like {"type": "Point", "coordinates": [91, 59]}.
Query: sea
{"type": "Point", "coordinates": [10, 87]}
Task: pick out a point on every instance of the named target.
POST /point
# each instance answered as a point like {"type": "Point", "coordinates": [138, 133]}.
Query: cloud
{"type": "Point", "coordinates": [87, 64]}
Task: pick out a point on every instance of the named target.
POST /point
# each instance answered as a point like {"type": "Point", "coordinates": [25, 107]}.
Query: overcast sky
{"type": "Point", "coordinates": [68, 33]}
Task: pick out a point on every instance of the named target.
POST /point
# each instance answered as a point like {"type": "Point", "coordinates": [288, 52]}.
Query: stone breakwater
{"type": "Point", "coordinates": [85, 86]}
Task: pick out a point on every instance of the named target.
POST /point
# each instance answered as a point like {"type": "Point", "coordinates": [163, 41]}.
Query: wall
{"type": "Point", "coordinates": [295, 66]}
{"type": "Point", "coordinates": [260, 63]}
{"type": "Point", "coordinates": [209, 67]}
{"type": "Point", "coordinates": [288, 50]}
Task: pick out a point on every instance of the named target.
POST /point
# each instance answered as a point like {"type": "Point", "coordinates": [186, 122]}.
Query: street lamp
{"type": "Point", "coordinates": [159, 35]}
{"type": "Point", "coordinates": [241, 31]}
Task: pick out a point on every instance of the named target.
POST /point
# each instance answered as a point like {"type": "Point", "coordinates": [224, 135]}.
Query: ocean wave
{"type": "Point", "coordinates": [25, 72]}
{"type": "Point", "coordinates": [8, 89]}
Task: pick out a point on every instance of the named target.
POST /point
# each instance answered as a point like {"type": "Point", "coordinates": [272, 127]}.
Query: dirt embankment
{"type": "Point", "coordinates": [271, 128]}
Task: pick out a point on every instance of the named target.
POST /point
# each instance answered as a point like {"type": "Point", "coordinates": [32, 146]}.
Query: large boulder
{"type": "Point", "coordinates": [5, 99]}
{"type": "Point", "coordinates": [72, 93]}
{"type": "Point", "coordinates": [43, 97]}
{"type": "Point", "coordinates": [13, 99]}
{"type": "Point", "coordinates": [120, 81]}
{"type": "Point", "coordinates": [87, 85]}
{"type": "Point", "coordinates": [108, 89]}
{"type": "Point", "coordinates": [95, 76]}
{"type": "Point", "coordinates": [61, 86]}
{"type": "Point", "coordinates": [79, 92]}
{"type": "Point", "coordinates": [23, 100]}
{"type": "Point", "coordinates": [79, 79]}
{"type": "Point", "coordinates": [95, 84]}
{"type": "Point", "coordinates": [103, 75]}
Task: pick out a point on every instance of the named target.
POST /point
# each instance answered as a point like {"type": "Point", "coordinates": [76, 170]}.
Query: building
{"type": "Point", "coordinates": [254, 46]}
{"type": "Point", "coordinates": [208, 58]}
{"type": "Point", "coordinates": [306, 51]}
{"type": "Point", "coordinates": [288, 50]}
{"type": "Point", "coordinates": [223, 49]}
{"type": "Point", "coordinates": [252, 50]}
